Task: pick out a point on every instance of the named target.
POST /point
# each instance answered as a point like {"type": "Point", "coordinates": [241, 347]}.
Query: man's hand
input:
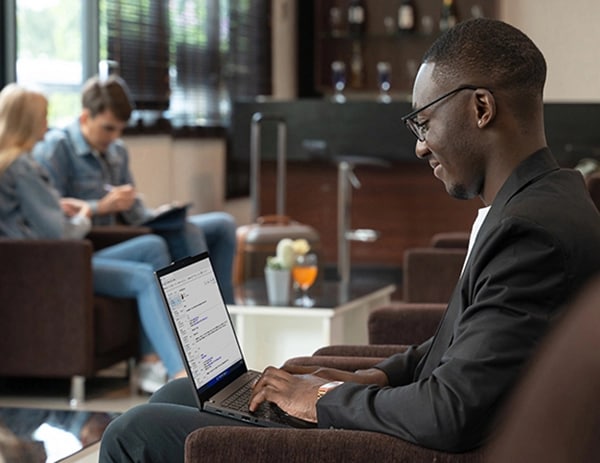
{"type": "Point", "coordinates": [294, 394]}
{"type": "Point", "coordinates": [294, 389]}
{"type": "Point", "coordinates": [73, 206]}
{"type": "Point", "coordinates": [118, 199]}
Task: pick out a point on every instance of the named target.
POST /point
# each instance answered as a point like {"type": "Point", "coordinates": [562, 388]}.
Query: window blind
{"type": "Point", "coordinates": [137, 38]}
{"type": "Point", "coordinates": [188, 58]}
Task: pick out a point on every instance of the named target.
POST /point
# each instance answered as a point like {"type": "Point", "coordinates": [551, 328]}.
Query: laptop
{"type": "Point", "coordinates": [211, 352]}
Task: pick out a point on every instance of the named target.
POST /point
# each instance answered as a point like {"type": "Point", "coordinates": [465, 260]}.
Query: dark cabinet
{"type": "Point", "coordinates": [379, 39]}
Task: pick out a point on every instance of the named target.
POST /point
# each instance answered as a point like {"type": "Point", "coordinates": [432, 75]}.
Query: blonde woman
{"type": "Point", "coordinates": [30, 208]}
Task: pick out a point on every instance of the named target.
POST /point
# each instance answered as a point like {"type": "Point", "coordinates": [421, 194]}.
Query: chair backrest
{"type": "Point", "coordinates": [554, 414]}
{"type": "Point", "coordinates": [421, 264]}
{"type": "Point", "coordinates": [404, 322]}
{"type": "Point", "coordinates": [457, 239]}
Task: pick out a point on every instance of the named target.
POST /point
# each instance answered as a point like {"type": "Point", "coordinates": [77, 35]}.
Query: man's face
{"type": "Point", "coordinates": [449, 145]}
{"type": "Point", "coordinates": [101, 130]}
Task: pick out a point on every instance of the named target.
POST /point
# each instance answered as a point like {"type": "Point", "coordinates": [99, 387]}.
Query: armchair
{"type": "Point", "coordinates": [553, 416]}
{"type": "Point", "coordinates": [53, 326]}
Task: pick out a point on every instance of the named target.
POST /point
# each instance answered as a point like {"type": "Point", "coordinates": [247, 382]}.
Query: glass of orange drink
{"type": "Point", "coordinates": [304, 274]}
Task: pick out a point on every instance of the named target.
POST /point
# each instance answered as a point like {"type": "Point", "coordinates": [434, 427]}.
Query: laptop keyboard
{"type": "Point", "coordinates": [240, 399]}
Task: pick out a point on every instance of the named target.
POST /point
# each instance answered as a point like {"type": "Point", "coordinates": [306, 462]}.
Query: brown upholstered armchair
{"type": "Point", "coordinates": [52, 324]}
{"type": "Point", "coordinates": [553, 415]}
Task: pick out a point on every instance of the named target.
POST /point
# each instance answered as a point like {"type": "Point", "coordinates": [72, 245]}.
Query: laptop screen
{"type": "Point", "coordinates": [199, 315]}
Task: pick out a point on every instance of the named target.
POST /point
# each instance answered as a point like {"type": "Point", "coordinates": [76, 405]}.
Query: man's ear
{"type": "Point", "coordinates": [84, 116]}
{"type": "Point", "coordinates": [485, 107]}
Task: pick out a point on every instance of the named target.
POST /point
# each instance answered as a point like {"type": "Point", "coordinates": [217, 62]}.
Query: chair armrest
{"type": "Point", "coordinates": [368, 350]}
{"type": "Point", "coordinates": [404, 323]}
{"type": "Point", "coordinates": [346, 357]}
{"type": "Point", "coordinates": [104, 236]}
{"type": "Point", "coordinates": [338, 363]}
{"type": "Point", "coordinates": [419, 265]}
{"type": "Point", "coordinates": [253, 445]}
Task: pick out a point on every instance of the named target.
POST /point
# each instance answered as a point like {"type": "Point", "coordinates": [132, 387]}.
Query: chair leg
{"type": "Point", "coordinates": [132, 374]}
{"type": "Point", "coordinates": [77, 393]}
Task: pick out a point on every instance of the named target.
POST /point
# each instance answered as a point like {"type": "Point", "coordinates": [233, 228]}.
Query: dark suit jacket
{"type": "Point", "coordinates": [538, 244]}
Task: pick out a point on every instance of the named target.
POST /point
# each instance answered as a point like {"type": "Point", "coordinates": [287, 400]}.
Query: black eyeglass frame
{"type": "Point", "coordinates": [415, 126]}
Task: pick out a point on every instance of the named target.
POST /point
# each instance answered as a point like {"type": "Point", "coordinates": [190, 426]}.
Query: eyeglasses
{"type": "Point", "coordinates": [420, 128]}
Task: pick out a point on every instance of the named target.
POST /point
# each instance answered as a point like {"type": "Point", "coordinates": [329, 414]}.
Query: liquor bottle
{"type": "Point", "coordinates": [357, 18]}
{"type": "Point", "coordinates": [448, 17]}
{"type": "Point", "coordinates": [338, 79]}
{"type": "Point", "coordinates": [336, 21]}
{"type": "Point", "coordinates": [384, 70]}
{"type": "Point", "coordinates": [357, 67]}
{"type": "Point", "coordinates": [406, 16]}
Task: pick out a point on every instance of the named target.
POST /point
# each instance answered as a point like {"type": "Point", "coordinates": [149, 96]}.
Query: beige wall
{"type": "Point", "coordinates": [169, 170]}
{"type": "Point", "coordinates": [184, 170]}
{"type": "Point", "coordinates": [568, 34]}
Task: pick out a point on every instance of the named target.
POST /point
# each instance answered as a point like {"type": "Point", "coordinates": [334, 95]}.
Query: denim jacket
{"type": "Point", "coordinates": [29, 206]}
{"type": "Point", "coordinates": [78, 171]}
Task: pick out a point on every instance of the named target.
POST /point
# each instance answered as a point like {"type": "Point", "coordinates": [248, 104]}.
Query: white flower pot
{"type": "Point", "coordinates": [278, 286]}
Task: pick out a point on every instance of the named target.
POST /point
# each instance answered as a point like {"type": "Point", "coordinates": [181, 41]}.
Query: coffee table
{"type": "Point", "coordinates": [62, 435]}
{"type": "Point", "coordinates": [270, 335]}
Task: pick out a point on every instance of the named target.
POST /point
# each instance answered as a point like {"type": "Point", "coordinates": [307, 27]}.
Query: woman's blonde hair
{"type": "Point", "coordinates": [22, 119]}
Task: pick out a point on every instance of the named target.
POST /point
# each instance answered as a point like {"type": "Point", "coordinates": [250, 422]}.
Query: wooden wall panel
{"type": "Point", "coordinates": [404, 202]}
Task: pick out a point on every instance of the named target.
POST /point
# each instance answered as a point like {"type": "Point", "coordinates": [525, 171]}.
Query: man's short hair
{"type": "Point", "coordinates": [111, 94]}
{"type": "Point", "coordinates": [489, 53]}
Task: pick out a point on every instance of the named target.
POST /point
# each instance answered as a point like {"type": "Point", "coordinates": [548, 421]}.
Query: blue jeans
{"type": "Point", "coordinates": [215, 231]}
{"type": "Point", "coordinates": [127, 270]}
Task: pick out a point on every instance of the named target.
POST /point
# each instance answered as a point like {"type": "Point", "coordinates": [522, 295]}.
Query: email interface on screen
{"type": "Point", "coordinates": [201, 319]}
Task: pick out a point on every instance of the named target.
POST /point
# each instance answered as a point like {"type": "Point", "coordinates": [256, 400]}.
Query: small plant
{"type": "Point", "coordinates": [287, 250]}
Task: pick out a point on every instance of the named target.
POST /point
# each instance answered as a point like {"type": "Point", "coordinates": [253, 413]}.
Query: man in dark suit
{"type": "Point", "coordinates": [479, 124]}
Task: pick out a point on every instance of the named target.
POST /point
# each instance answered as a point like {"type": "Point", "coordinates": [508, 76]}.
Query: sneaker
{"type": "Point", "coordinates": [151, 376]}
